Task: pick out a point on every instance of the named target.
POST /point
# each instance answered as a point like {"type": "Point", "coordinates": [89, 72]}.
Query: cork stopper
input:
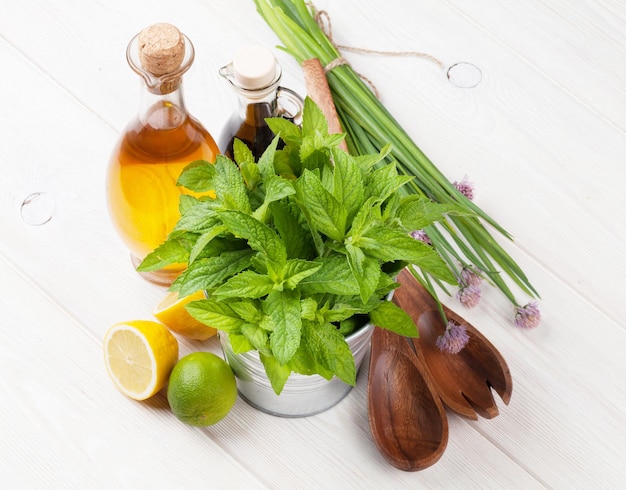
{"type": "Point", "coordinates": [161, 49]}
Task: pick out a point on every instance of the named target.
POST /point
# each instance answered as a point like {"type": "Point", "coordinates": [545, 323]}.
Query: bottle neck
{"type": "Point", "coordinates": [162, 110]}
{"type": "Point", "coordinates": [255, 109]}
{"type": "Point", "coordinates": [162, 105]}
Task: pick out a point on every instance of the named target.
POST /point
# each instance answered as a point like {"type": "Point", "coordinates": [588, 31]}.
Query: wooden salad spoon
{"type": "Point", "coordinates": [407, 419]}
{"type": "Point", "coordinates": [464, 380]}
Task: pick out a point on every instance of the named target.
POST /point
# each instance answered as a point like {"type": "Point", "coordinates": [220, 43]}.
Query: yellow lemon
{"type": "Point", "coordinates": [202, 389]}
{"type": "Point", "coordinates": [139, 356]}
{"type": "Point", "coordinates": [171, 312]}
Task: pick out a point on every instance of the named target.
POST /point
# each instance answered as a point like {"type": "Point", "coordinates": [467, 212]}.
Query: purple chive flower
{"type": "Point", "coordinates": [469, 296]}
{"type": "Point", "coordinates": [421, 236]}
{"type": "Point", "coordinates": [453, 339]}
{"type": "Point", "coordinates": [528, 316]}
{"type": "Point", "coordinates": [465, 187]}
{"type": "Point", "coordinates": [470, 277]}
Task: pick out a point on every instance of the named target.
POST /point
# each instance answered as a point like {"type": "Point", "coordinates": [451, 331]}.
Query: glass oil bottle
{"type": "Point", "coordinates": [154, 148]}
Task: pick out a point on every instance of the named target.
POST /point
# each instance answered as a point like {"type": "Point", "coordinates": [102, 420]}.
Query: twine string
{"type": "Point", "coordinates": [322, 18]}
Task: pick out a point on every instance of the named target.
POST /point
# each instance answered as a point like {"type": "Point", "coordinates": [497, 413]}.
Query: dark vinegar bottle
{"type": "Point", "coordinates": [255, 75]}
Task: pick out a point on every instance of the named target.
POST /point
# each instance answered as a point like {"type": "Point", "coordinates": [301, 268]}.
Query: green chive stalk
{"type": "Point", "coordinates": [369, 126]}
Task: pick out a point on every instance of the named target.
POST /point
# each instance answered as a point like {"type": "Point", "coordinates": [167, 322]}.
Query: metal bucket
{"type": "Point", "coordinates": [302, 395]}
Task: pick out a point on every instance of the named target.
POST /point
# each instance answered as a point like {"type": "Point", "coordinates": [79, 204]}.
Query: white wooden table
{"type": "Point", "coordinates": [543, 137]}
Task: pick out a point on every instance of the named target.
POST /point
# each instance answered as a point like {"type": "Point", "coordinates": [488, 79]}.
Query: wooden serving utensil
{"type": "Point", "coordinates": [406, 417]}
{"type": "Point", "coordinates": [463, 380]}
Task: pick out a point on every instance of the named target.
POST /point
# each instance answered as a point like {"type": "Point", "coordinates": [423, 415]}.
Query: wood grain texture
{"type": "Point", "coordinates": [543, 137]}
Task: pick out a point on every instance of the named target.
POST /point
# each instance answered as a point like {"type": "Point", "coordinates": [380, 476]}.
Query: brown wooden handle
{"type": "Point", "coordinates": [318, 90]}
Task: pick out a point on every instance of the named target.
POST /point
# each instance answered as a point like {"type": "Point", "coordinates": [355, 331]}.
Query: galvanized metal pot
{"type": "Point", "coordinates": [302, 395]}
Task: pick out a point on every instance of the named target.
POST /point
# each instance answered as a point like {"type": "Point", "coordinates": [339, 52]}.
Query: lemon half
{"type": "Point", "coordinates": [139, 356]}
{"type": "Point", "coordinates": [171, 312]}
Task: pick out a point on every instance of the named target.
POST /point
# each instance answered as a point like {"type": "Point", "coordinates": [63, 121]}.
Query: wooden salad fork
{"type": "Point", "coordinates": [465, 380]}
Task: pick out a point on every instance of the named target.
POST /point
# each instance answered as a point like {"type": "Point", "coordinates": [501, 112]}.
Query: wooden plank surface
{"type": "Point", "coordinates": [543, 137]}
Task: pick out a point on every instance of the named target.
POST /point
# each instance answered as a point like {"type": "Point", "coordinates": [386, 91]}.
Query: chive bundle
{"type": "Point", "coordinates": [462, 240]}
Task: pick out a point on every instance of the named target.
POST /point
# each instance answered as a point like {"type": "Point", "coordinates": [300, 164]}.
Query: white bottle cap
{"type": "Point", "coordinates": [254, 67]}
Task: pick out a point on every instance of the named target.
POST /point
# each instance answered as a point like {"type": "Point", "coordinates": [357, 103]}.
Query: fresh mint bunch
{"type": "Point", "coordinates": [297, 250]}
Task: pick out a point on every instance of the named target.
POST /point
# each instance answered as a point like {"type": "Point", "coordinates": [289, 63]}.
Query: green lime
{"type": "Point", "coordinates": [202, 389]}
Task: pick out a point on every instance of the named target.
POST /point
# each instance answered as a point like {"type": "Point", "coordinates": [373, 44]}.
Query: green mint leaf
{"type": "Point", "coordinates": [329, 350]}
{"type": "Point", "coordinates": [224, 242]}
{"type": "Point", "coordinates": [198, 218]}
{"type": "Point", "coordinates": [277, 373]}
{"type": "Point", "coordinates": [295, 237]}
{"type": "Point", "coordinates": [247, 310]}
{"type": "Point", "coordinates": [323, 211]}
{"type": "Point", "coordinates": [432, 263]}
{"type": "Point", "coordinates": [266, 162]}
{"type": "Point", "coordinates": [239, 343]}
{"type": "Point", "coordinates": [366, 271]}
{"type": "Point", "coordinates": [334, 140]}
{"type": "Point", "coordinates": [308, 309]}
{"type": "Point", "coordinates": [290, 133]}
{"type": "Point", "coordinates": [203, 240]}
{"type": "Point", "coordinates": [348, 186]}
{"type": "Point", "coordinates": [365, 217]}
{"type": "Point", "coordinates": [313, 119]}
{"type": "Point", "coordinates": [251, 175]}
{"type": "Point", "coordinates": [391, 317]}
{"type": "Point", "coordinates": [257, 337]}
{"type": "Point", "coordinates": [172, 251]}
{"type": "Point", "coordinates": [286, 165]}
{"type": "Point", "coordinates": [246, 284]}
{"type": "Point", "coordinates": [208, 273]}
{"type": "Point", "coordinates": [247, 166]}
{"type": "Point", "coordinates": [417, 212]}
{"type": "Point", "coordinates": [340, 312]}
{"type": "Point", "coordinates": [388, 245]}
{"type": "Point", "coordinates": [187, 202]}
{"type": "Point", "coordinates": [313, 152]}
{"type": "Point", "coordinates": [386, 284]}
{"type": "Point", "coordinates": [383, 182]}
{"type": "Point", "coordinates": [197, 176]}
{"type": "Point", "coordinates": [215, 314]}
{"type": "Point", "coordinates": [258, 235]}
{"type": "Point", "coordinates": [284, 308]}
{"type": "Point", "coordinates": [242, 153]}
{"type": "Point", "coordinates": [267, 323]}
{"type": "Point", "coordinates": [390, 210]}
{"type": "Point", "coordinates": [296, 270]}
{"type": "Point", "coordinates": [303, 362]}
{"type": "Point", "coordinates": [230, 188]}
{"type": "Point", "coordinates": [367, 161]}
{"type": "Point", "coordinates": [334, 277]}
{"type": "Point", "coordinates": [314, 149]}
{"type": "Point", "coordinates": [276, 188]}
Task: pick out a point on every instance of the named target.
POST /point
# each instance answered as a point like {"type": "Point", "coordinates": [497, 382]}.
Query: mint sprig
{"type": "Point", "coordinates": [297, 250]}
